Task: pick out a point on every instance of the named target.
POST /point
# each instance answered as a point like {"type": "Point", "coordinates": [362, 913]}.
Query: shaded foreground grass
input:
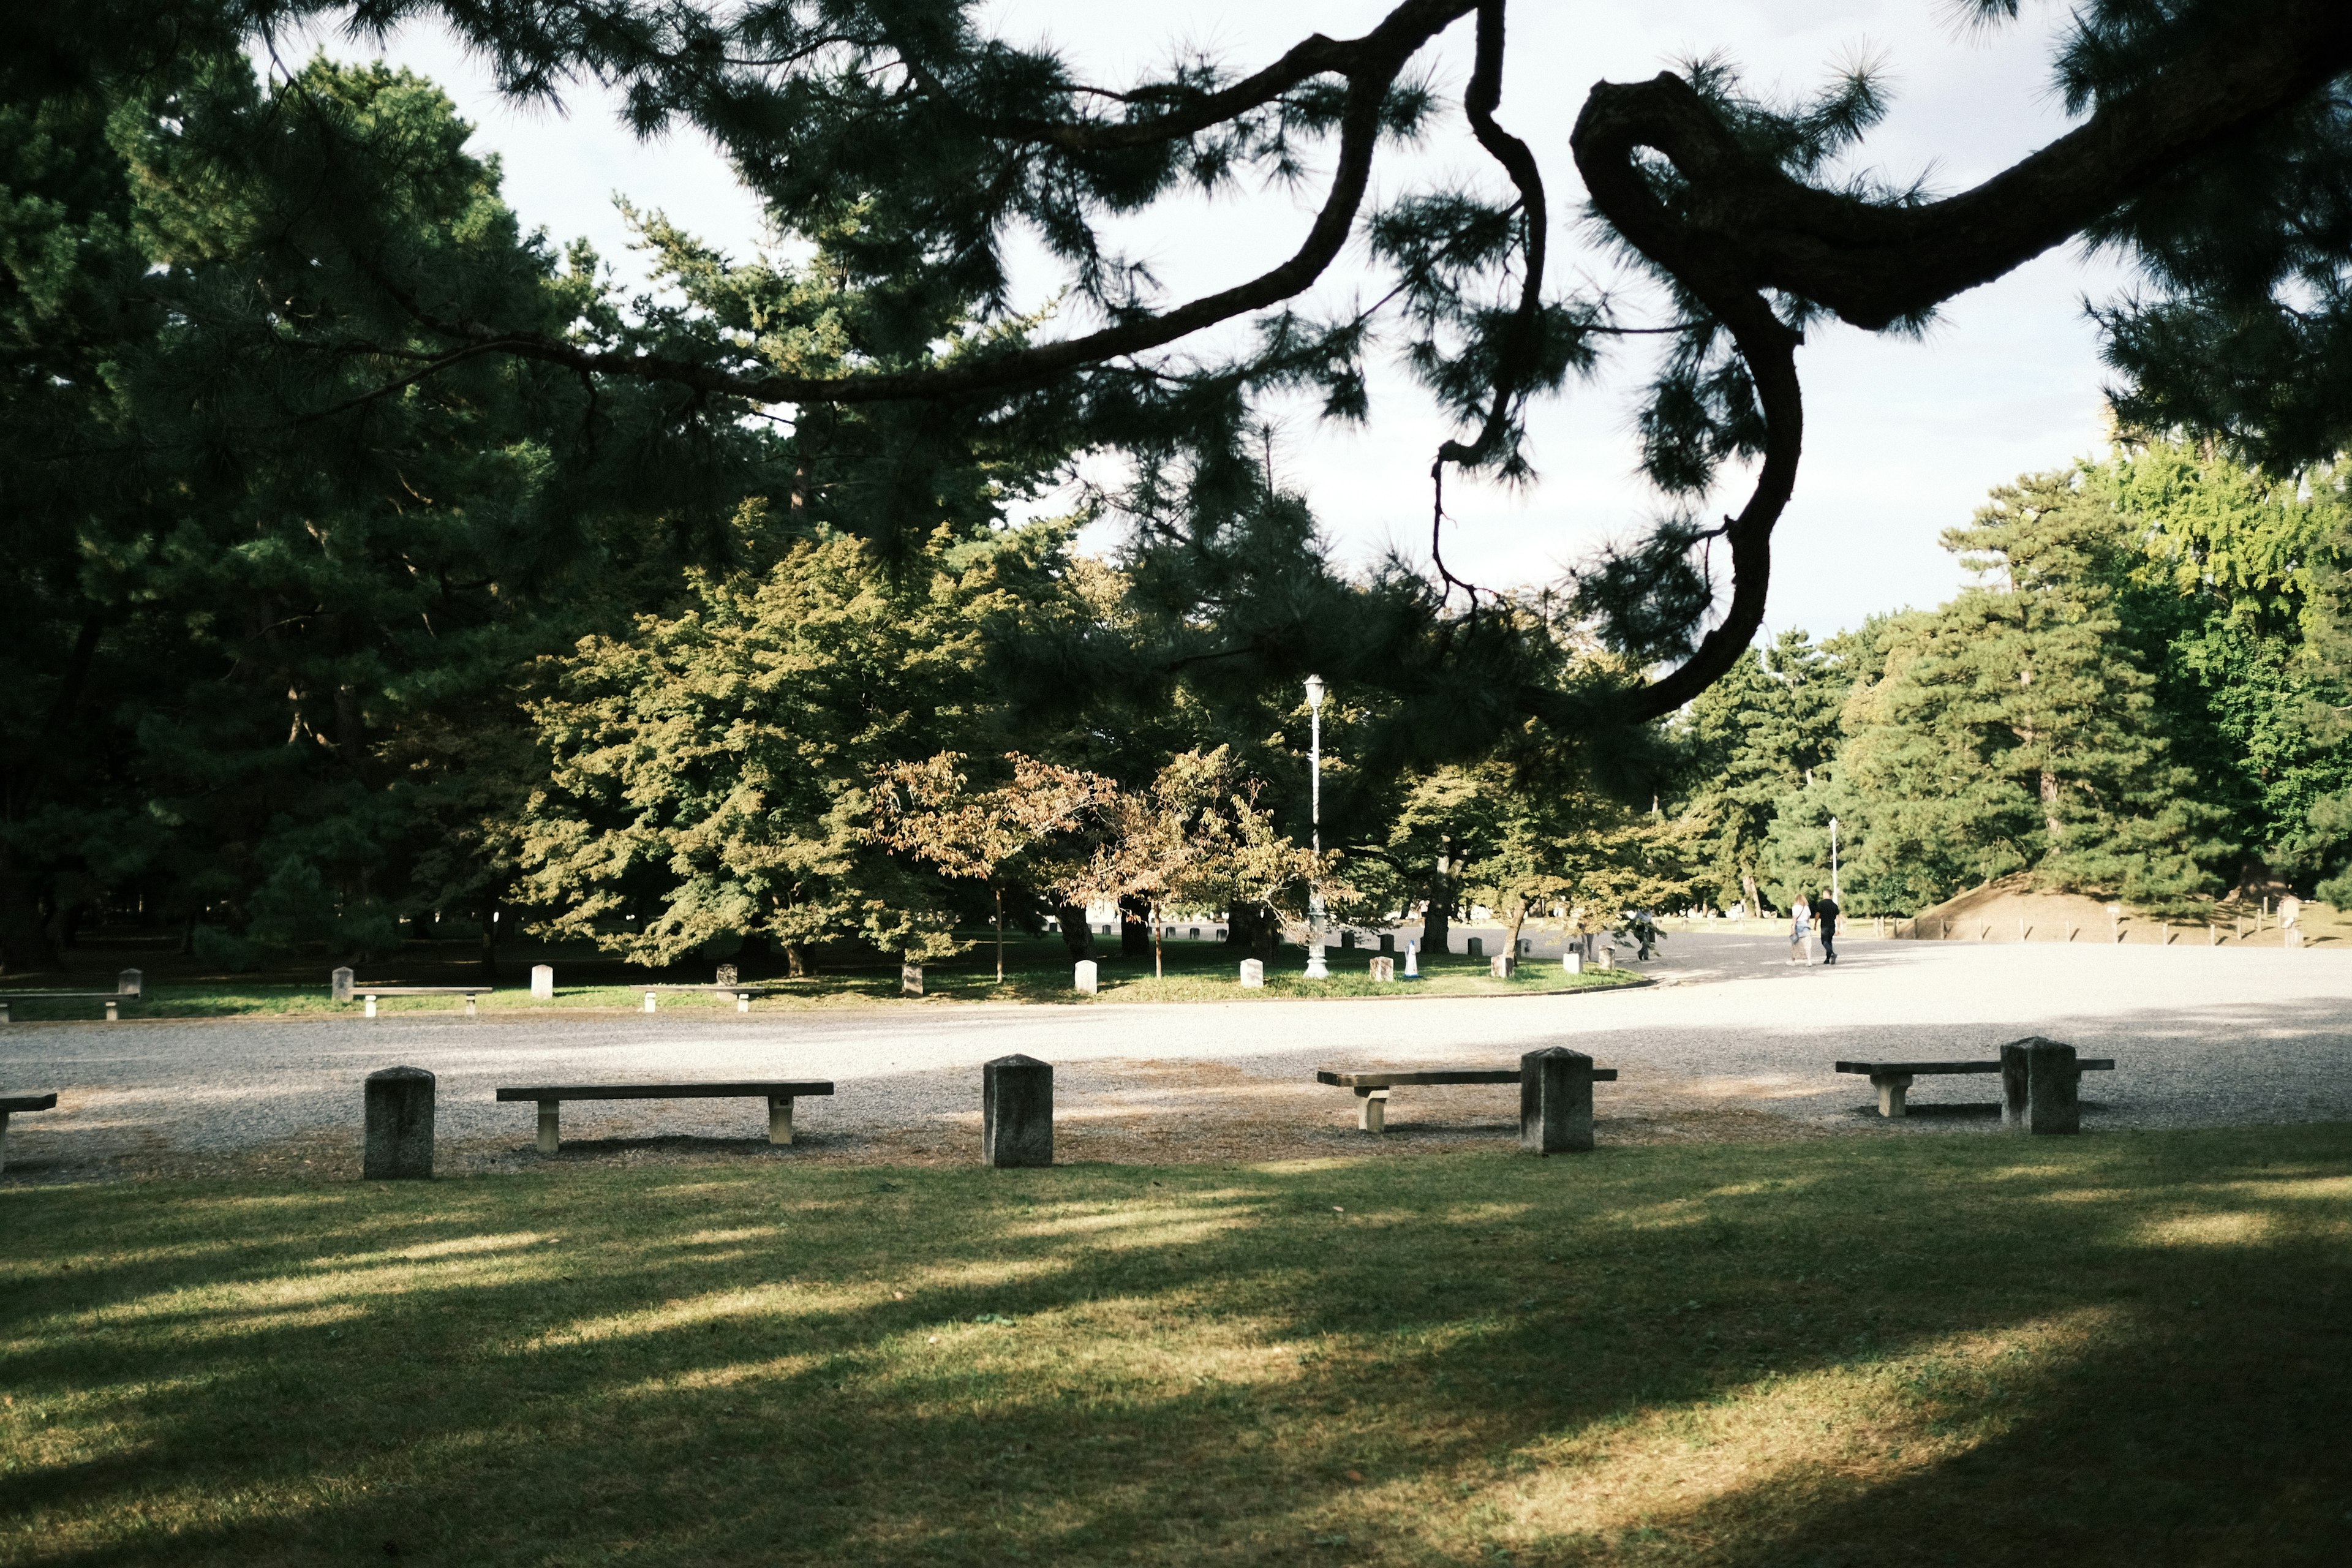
{"type": "Point", "coordinates": [2122, 1349]}
{"type": "Point", "coordinates": [1036, 972]}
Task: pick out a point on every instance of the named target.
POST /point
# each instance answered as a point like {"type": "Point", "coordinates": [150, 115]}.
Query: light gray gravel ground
{"type": "Point", "coordinates": [2201, 1037]}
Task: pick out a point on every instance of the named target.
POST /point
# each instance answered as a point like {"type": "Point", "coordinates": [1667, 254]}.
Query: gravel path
{"type": "Point", "coordinates": [1732, 1043]}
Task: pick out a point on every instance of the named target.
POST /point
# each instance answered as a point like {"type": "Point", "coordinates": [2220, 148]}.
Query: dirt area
{"type": "Point", "coordinates": [2011, 909]}
{"type": "Point", "coordinates": [1152, 1112]}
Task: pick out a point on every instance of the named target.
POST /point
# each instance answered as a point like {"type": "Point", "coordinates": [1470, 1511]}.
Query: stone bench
{"type": "Point", "coordinates": [2038, 1080]}
{"type": "Point", "coordinates": [15, 1102]}
{"type": "Point", "coordinates": [368, 993]}
{"type": "Point", "coordinates": [114, 1000]}
{"type": "Point", "coordinates": [742, 994]}
{"type": "Point", "coordinates": [779, 1096]}
{"type": "Point", "coordinates": [1372, 1088]}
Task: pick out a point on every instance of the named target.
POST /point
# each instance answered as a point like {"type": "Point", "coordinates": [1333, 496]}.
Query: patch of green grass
{"type": "Point", "coordinates": [1036, 972]}
{"type": "Point", "coordinates": [2128, 1349]}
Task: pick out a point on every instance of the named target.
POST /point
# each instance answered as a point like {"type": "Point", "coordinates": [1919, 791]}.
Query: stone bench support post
{"type": "Point", "coordinates": [551, 1126]}
{"type": "Point", "coordinates": [399, 1145]}
{"type": "Point", "coordinates": [1373, 1109]}
{"type": "Point", "coordinates": [1891, 1086]}
{"type": "Point", "coordinates": [1556, 1101]}
{"type": "Point", "coordinates": [1016, 1112]}
{"type": "Point", "coordinates": [780, 1119]}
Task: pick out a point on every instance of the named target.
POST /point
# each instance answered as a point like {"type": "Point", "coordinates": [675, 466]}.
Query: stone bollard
{"type": "Point", "coordinates": [1555, 1101]}
{"type": "Point", "coordinates": [1016, 1112]}
{"type": "Point", "coordinates": [399, 1126]}
{"type": "Point", "coordinates": [1502, 966]}
{"type": "Point", "coordinates": [1608, 959]}
{"type": "Point", "coordinates": [1384, 971]}
{"type": "Point", "coordinates": [910, 980]}
{"type": "Point", "coordinates": [2290, 938]}
{"type": "Point", "coordinates": [542, 982]}
{"type": "Point", "coordinates": [1387, 942]}
{"type": "Point", "coordinates": [339, 985]}
{"type": "Point", "coordinates": [1089, 978]}
{"type": "Point", "coordinates": [129, 983]}
{"type": "Point", "coordinates": [1572, 960]}
{"type": "Point", "coordinates": [1347, 940]}
{"type": "Point", "coordinates": [2041, 1087]}
{"type": "Point", "coordinates": [653, 1003]}
{"type": "Point", "coordinates": [1478, 947]}
{"type": "Point", "coordinates": [1253, 973]}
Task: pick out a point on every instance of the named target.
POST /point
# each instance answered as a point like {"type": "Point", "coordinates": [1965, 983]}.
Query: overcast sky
{"type": "Point", "coordinates": [1902, 438]}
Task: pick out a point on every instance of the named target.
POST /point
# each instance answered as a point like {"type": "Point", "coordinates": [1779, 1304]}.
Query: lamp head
{"type": "Point", "coordinates": [1314, 691]}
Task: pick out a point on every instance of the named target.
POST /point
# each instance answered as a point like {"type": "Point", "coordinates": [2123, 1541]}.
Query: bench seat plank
{"type": "Point", "coordinates": [9, 1102]}
{"type": "Point", "coordinates": [1918, 1070]}
{"type": "Point", "coordinates": [422, 990]}
{"type": "Point", "coordinates": [792, 1089]}
{"type": "Point", "coordinates": [1443, 1075]}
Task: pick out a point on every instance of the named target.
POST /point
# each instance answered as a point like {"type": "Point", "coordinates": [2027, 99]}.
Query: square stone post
{"type": "Point", "coordinates": [910, 980]}
{"type": "Point", "coordinates": [2053, 1089]}
{"type": "Point", "coordinates": [399, 1145]}
{"type": "Point", "coordinates": [1088, 978]}
{"type": "Point", "coordinates": [1572, 960]}
{"type": "Point", "coordinates": [1016, 1112]}
{"type": "Point", "coordinates": [2013, 1085]}
{"type": "Point", "coordinates": [1253, 973]}
{"type": "Point", "coordinates": [1503, 965]}
{"type": "Point", "coordinates": [1478, 947]}
{"type": "Point", "coordinates": [551, 1126]}
{"type": "Point", "coordinates": [1384, 971]}
{"type": "Point", "coordinates": [780, 1119]}
{"type": "Point", "coordinates": [542, 982]}
{"type": "Point", "coordinates": [1555, 1101]}
{"type": "Point", "coordinates": [129, 983]}
{"type": "Point", "coordinates": [653, 1003]}
{"type": "Point", "coordinates": [339, 985]}
{"type": "Point", "coordinates": [1387, 942]}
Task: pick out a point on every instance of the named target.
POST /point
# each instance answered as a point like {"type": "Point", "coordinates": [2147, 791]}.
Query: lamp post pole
{"type": "Point", "coordinates": [1315, 968]}
{"type": "Point", "coordinates": [1834, 866]}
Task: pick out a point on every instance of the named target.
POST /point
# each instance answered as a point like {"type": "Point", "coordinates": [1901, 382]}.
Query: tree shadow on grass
{"type": "Point", "coordinates": [2124, 1349]}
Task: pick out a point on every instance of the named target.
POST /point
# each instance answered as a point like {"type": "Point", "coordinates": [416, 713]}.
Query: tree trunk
{"type": "Point", "coordinates": [1078, 936]}
{"type": "Point", "coordinates": [1434, 923]}
{"type": "Point", "coordinates": [1747, 887]}
{"type": "Point", "coordinates": [1156, 970]}
{"type": "Point", "coordinates": [2057, 829]}
{"type": "Point", "coordinates": [1000, 935]}
{"type": "Point", "coordinates": [1519, 919]}
{"type": "Point", "coordinates": [796, 964]}
{"type": "Point", "coordinates": [1134, 939]}
{"type": "Point", "coordinates": [24, 944]}
{"type": "Point", "coordinates": [491, 937]}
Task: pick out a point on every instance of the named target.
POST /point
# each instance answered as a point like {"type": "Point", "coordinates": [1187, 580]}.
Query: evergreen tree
{"type": "Point", "coordinates": [1762, 731]}
{"type": "Point", "coordinates": [2011, 730]}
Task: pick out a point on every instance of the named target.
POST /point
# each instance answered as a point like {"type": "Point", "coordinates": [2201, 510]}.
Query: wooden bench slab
{"type": "Point", "coordinates": [12, 1103]}
{"type": "Point", "coordinates": [1372, 1088]}
{"type": "Point", "coordinates": [778, 1094]}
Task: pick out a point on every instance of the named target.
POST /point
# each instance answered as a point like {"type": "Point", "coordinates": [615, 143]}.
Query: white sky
{"type": "Point", "coordinates": [1902, 438]}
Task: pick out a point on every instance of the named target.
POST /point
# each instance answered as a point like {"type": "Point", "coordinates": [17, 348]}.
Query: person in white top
{"type": "Point", "coordinates": [1800, 931]}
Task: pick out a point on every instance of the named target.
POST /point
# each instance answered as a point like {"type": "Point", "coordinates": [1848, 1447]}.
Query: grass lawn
{"type": "Point", "coordinates": [1036, 972]}
{"type": "Point", "coordinates": [2132, 1349]}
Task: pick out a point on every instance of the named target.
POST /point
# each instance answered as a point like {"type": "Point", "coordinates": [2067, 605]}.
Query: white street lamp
{"type": "Point", "coordinates": [1315, 968]}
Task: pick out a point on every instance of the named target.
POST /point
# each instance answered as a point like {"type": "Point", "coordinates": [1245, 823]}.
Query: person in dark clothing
{"type": "Point", "coordinates": [1825, 916]}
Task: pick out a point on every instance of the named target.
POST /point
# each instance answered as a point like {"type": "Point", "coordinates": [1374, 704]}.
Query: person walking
{"type": "Point", "coordinates": [1825, 915]}
{"type": "Point", "coordinates": [1800, 931]}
